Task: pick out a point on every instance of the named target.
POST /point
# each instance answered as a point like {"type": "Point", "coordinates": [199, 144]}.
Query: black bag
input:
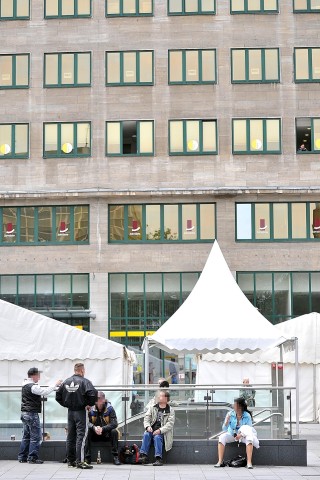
{"type": "Point", "coordinates": [237, 462]}
{"type": "Point", "coordinates": [129, 454]}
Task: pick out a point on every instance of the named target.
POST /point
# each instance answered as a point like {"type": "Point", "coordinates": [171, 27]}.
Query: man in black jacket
{"type": "Point", "coordinates": [103, 427]}
{"type": "Point", "coordinates": [76, 393]}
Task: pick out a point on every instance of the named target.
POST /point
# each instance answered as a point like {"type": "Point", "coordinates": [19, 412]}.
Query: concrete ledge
{"type": "Point", "coordinates": [271, 452]}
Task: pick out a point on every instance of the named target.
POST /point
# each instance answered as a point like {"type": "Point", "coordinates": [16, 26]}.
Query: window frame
{"type": "Point", "coordinates": [184, 126]}
{"type": "Point", "coordinates": [307, 10]}
{"type": "Point", "coordinates": [184, 54]}
{"type": "Point", "coordinates": [254, 12]}
{"type": "Point", "coordinates": [60, 16]}
{"type": "Point", "coordinates": [75, 136]}
{"type": "Point", "coordinates": [151, 154]}
{"type": "Point", "coordinates": [310, 79]}
{"type": "Point", "coordinates": [15, 16]}
{"type": "Point", "coordinates": [247, 65]}
{"type": "Point", "coordinates": [264, 127]}
{"type": "Point", "coordinates": [128, 84]}
{"type": "Point", "coordinates": [314, 152]}
{"type": "Point", "coordinates": [121, 14]}
{"type": "Point", "coordinates": [75, 70]}
{"type": "Point", "coordinates": [13, 136]}
{"type": "Point", "coordinates": [184, 13]}
{"type": "Point", "coordinates": [14, 71]}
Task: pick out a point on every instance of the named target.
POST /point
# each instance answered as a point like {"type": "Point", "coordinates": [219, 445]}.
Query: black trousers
{"type": "Point", "coordinates": [111, 436]}
{"type": "Point", "coordinates": [77, 435]}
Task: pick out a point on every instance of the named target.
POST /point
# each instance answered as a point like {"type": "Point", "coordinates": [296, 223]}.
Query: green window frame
{"type": "Point", "coordinates": [199, 67]}
{"type": "Point", "coordinates": [44, 225]}
{"type": "Point", "coordinates": [256, 65]}
{"type": "Point", "coordinates": [308, 60]}
{"type": "Point", "coordinates": [67, 139]}
{"type": "Point", "coordinates": [306, 6]}
{"type": "Point", "coordinates": [129, 8]}
{"type": "Point", "coordinates": [193, 137]}
{"type": "Point", "coordinates": [307, 134]}
{"type": "Point", "coordinates": [253, 6]}
{"type": "Point", "coordinates": [14, 10]}
{"type": "Point", "coordinates": [162, 223]}
{"type": "Point", "coordinates": [277, 222]}
{"type": "Point", "coordinates": [12, 71]}
{"type": "Point", "coordinates": [117, 73]}
{"type": "Point", "coordinates": [249, 129]}
{"type": "Point", "coordinates": [14, 140]}
{"type": "Point", "coordinates": [191, 7]}
{"type": "Point", "coordinates": [130, 138]}
{"type": "Point", "coordinates": [57, 63]}
{"type": "Point", "coordinates": [60, 9]}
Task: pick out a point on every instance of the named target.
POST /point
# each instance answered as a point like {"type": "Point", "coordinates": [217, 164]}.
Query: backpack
{"type": "Point", "coordinates": [129, 454]}
{"type": "Point", "coordinates": [238, 461]}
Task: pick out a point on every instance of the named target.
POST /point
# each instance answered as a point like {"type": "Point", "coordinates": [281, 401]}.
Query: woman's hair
{"type": "Point", "coordinates": [242, 404]}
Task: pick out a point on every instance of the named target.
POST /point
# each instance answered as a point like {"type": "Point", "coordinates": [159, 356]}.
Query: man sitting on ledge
{"type": "Point", "coordinates": [158, 423]}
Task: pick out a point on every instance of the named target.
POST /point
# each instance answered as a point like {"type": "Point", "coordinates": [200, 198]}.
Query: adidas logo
{"type": "Point", "coordinates": [72, 387]}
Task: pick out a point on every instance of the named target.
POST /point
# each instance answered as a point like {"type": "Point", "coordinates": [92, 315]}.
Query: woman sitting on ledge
{"type": "Point", "coordinates": [238, 428]}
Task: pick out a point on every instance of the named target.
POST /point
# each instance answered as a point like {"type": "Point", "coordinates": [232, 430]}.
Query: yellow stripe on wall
{"type": "Point", "coordinates": [132, 333]}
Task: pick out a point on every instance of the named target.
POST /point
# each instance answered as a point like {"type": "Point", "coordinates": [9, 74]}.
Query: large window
{"type": "Point", "coordinates": [256, 135]}
{"type": "Point", "coordinates": [116, 8]}
{"type": "Point", "coordinates": [14, 9]}
{"type": "Point", "coordinates": [308, 135]}
{"type": "Point", "coordinates": [14, 140]}
{"type": "Point", "coordinates": [129, 68]}
{"type": "Point", "coordinates": [307, 64]}
{"type": "Point", "coordinates": [191, 7]}
{"type": "Point", "coordinates": [160, 223]}
{"type": "Point", "coordinates": [280, 296]}
{"type": "Point", "coordinates": [67, 140]}
{"type": "Point", "coordinates": [130, 137]}
{"type": "Point", "coordinates": [282, 221]}
{"type": "Point", "coordinates": [305, 6]}
{"type": "Point", "coordinates": [14, 71]}
{"type": "Point", "coordinates": [192, 66]}
{"type": "Point", "coordinates": [67, 69]}
{"type": "Point", "coordinates": [67, 8]}
{"type": "Point", "coordinates": [255, 65]}
{"type": "Point", "coordinates": [254, 6]}
{"type": "Point", "coordinates": [44, 225]}
{"type": "Point", "coordinates": [139, 303]}
{"type": "Point", "coordinates": [193, 137]}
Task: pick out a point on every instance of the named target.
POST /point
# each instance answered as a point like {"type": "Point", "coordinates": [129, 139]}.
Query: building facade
{"type": "Point", "coordinates": [135, 132]}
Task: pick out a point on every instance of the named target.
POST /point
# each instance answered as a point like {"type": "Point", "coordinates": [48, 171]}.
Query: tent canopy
{"type": "Point", "coordinates": [216, 317]}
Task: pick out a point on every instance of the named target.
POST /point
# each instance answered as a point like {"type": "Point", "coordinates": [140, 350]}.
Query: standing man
{"type": "Point", "coordinates": [30, 408]}
{"type": "Point", "coordinates": [76, 393]}
{"type": "Point", "coordinates": [173, 372]}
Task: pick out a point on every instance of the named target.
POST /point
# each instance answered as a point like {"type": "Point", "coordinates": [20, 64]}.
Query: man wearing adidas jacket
{"type": "Point", "coordinates": [76, 393]}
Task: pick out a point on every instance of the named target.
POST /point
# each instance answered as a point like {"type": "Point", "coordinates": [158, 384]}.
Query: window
{"type": "Point", "coordinates": [285, 221]}
{"type": "Point", "coordinates": [67, 69]}
{"type": "Point", "coordinates": [191, 7]}
{"type": "Point", "coordinates": [154, 223]}
{"type": "Point", "coordinates": [44, 225]}
{"type": "Point", "coordinates": [14, 140]}
{"type": "Point", "coordinates": [256, 136]}
{"type": "Point", "coordinates": [254, 6]}
{"type": "Point", "coordinates": [307, 64]}
{"type": "Point", "coordinates": [193, 137]}
{"type": "Point", "coordinates": [305, 6]}
{"type": "Point", "coordinates": [308, 135]}
{"type": "Point", "coordinates": [130, 137]}
{"type": "Point", "coordinates": [67, 8]}
{"type": "Point", "coordinates": [67, 140]}
{"type": "Point", "coordinates": [116, 8]}
{"type": "Point", "coordinates": [14, 71]}
{"type": "Point", "coordinates": [14, 9]}
{"type": "Point", "coordinates": [129, 68]}
{"type": "Point", "coordinates": [255, 65]}
{"type": "Point", "coordinates": [192, 66]}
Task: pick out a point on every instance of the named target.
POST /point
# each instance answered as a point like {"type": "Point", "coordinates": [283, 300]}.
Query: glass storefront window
{"type": "Point", "coordinates": [26, 291]}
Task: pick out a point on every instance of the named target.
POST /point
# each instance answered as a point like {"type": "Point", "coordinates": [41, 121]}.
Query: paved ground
{"type": "Point", "coordinates": [10, 470]}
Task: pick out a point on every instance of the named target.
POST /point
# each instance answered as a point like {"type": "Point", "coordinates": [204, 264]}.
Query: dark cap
{"type": "Point", "coordinates": [33, 371]}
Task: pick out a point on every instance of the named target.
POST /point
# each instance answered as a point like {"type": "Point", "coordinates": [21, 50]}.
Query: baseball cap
{"type": "Point", "coordinates": [33, 371]}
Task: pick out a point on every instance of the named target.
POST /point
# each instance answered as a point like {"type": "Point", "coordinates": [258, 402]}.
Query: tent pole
{"type": "Point", "coordinates": [297, 385]}
{"type": "Point", "coordinates": [146, 368]}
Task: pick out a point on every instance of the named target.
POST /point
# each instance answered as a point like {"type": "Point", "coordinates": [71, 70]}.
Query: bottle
{"type": "Point", "coordinates": [99, 458]}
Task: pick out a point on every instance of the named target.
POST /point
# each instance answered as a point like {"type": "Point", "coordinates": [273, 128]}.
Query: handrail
{"type": "Point", "coordinates": [143, 387]}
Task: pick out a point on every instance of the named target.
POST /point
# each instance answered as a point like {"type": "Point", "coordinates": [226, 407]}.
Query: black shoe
{"type": "Point", "coordinates": [72, 464]}
{"type": "Point", "coordinates": [87, 460]}
{"type": "Point", "coordinates": [143, 459]}
{"type": "Point", "coordinates": [116, 460]}
{"type": "Point", "coordinates": [158, 462]}
{"type": "Point", "coordinates": [36, 461]}
{"type": "Point", "coordinates": [22, 460]}
{"type": "Point", "coordinates": [84, 466]}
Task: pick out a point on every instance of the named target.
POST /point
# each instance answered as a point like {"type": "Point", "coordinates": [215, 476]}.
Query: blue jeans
{"type": "Point", "coordinates": [31, 439]}
{"type": "Point", "coordinates": [147, 440]}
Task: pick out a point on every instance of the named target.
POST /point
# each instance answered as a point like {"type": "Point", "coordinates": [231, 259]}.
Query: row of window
{"type": "Point", "coordinates": [136, 138]}
{"type": "Point", "coordinates": [185, 67]}
{"type": "Point", "coordinates": [20, 9]}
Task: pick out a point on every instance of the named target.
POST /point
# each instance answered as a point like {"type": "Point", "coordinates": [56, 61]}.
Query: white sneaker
{"type": "Point", "coordinates": [218, 465]}
{"type": "Point", "coordinates": [249, 466]}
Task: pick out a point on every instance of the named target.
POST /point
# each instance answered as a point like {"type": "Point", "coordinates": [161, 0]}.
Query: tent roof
{"type": "Point", "coordinates": [26, 335]}
{"type": "Point", "coordinates": [216, 317]}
